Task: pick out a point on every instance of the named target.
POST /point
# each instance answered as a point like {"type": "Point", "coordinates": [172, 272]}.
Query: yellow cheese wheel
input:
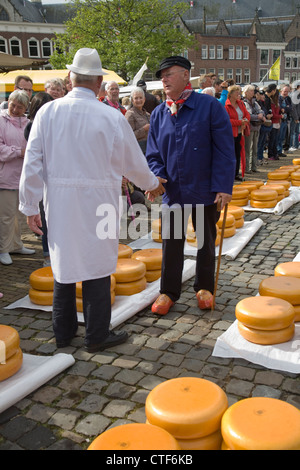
{"type": "Point", "coordinates": [12, 365]}
{"type": "Point", "coordinates": [152, 257]}
{"type": "Point", "coordinates": [261, 423]}
{"type": "Point", "coordinates": [266, 337]}
{"type": "Point", "coordinates": [135, 436]}
{"type": "Point", "coordinates": [131, 288]}
{"type": "Point", "coordinates": [42, 279]}
{"type": "Point", "coordinates": [153, 275]}
{"type": "Point", "coordinates": [40, 297]}
{"type": "Point", "coordinates": [79, 286]}
{"type": "Point", "coordinates": [264, 195]}
{"type": "Point", "coordinates": [263, 204]}
{"type": "Point", "coordinates": [250, 186]}
{"type": "Point", "coordinates": [296, 161]}
{"type": "Point", "coordinates": [290, 268]}
{"type": "Point", "coordinates": [240, 202]}
{"type": "Point", "coordinates": [236, 211]}
{"type": "Point", "coordinates": [284, 183]}
{"type": "Point", "coordinates": [229, 231]}
{"type": "Point", "coordinates": [265, 313]}
{"type": "Point", "coordinates": [278, 175]}
{"type": "Point", "coordinates": [230, 220]}
{"type": "Point", "coordinates": [10, 341]}
{"type": "Point", "coordinates": [129, 269]}
{"type": "Point", "coordinates": [279, 188]}
{"type": "Point", "coordinates": [186, 407]}
{"type": "Point", "coordinates": [295, 175]}
{"type": "Point", "coordinates": [124, 251]}
{"type": "Point", "coordinates": [240, 193]}
{"type": "Point", "coordinates": [239, 223]}
{"type": "Point", "coordinates": [156, 225]}
{"type": "Point", "coordinates": [258, 183]}
{"type": "Point", "coordinates": [211, 442]}
{"type": "Point", "coordinates": [296, 182]}
{"type": "Point", "coordinates": [156, 237]}
{"type": "Point", "coordinates": [284, 287]}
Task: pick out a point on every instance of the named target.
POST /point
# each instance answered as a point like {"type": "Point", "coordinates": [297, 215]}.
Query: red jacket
{"type": "Point", "coordinates": [277, 116]}
{"type": "Point", "coordinates": [233, 115]}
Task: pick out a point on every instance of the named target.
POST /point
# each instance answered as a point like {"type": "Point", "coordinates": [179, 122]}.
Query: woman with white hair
{"type": "Point", "coordinates": [257, 117]}
{"type": "Point", "coordinates": [138, 117]}
{"type": "Point", "coordinates": [12, 148]}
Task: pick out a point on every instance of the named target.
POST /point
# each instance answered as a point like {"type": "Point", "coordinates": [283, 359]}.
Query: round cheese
{"type": "Point", "coordinates": [42, 279]}
{"type": "Point", "coordinates": [295, 182]}
{"type": "Point", "coordinates": [240, 193]}
{"type": "Point", "coordinates": [279, 188]}
{"type": "Point", "coordinates": [284, 287]}
{"type": "Point", "coordinates": [266, 337]}
{"type": "Point", "coordinates": [229, 231]}
{"type": "Point", "coordinates": [211, 442]}
{"type": "Point", "coordinates": [264, 195]}
{"type": "Point", "coordinates": [258, 183]}
{"type": "Point", "coordinates": [263, 204]}
{"type": "Point", "coordinates": [261, 423]}
{"type": "Point", "coordinates": [240, 202]}
{"type": "Point", "coordinates": [152, 257]}
{"type": "Point", "coordinates": [186, 407]}
{"type": "Point", "coordinates": [278, 175]}
{"type": "Point", "coordinates": [156, 237]}
{"type": "Point", "coordinates": [12, 365]}
{"type": "Point", "coordinates": [135, 436]}
{"type": "Point", "coordinates": [11, 339]}
{"type": "Point", "coordinates": [131, 288]}
{"type": "Point", "coordinates": [284, 183]}
{"type": "Point", "coordinates": [229, 222]}
{"type": "Point", "coordinates": [265, 313]}
{"type": "Point", "coordinates": [239, 223]}
{"type": "Point", "coordinates": [124, 251]}
{"type": "Point", "coordinates": [290, 268]}
{"type": "Point", "coordinates": [40, 297]}
{"type": "Point", "coordinates": [129, 269]}
{"type": "Point", "coordinates": [295, 175]}
{"type": "Point", "coordinates": [236, 211]}
{"type": "Point", "coordinates": [153, 275]}
{"type": "Point", "coordinates": [296, 161]}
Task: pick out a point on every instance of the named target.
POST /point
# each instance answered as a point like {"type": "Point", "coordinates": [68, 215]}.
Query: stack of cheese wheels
{"type": "Point", "coordinates": [265, 320]}
{"type": "Point", "coordinates": [11, 356]}
{"type": "Point", "coordinates": [282, 192]}
{"type": "Point", "coordinates": [279, 175]}
{"type": "Point", "coordinates": [283, 287]}
{"type": "Point", "coordinates": [79, 304]}
{"type": "Point", "coordinates": [190, 409]}
{"type": "Point", "coordinates": [263, 198]}
{"type": "Point", "coordinates": [261, 423]}
{"type": "Point", "coordinates": [238, 213]}
{"type": "Point", "coordinates": [291, 268]}
{"type": "Point", "coordinates": [135, 436]}
{"type": "Point", "coordinates": [152, 258]}
{"type": "Point", "coordinates": [124, 251]}
{"type": "Point", "coordinates": [156, 230]}
{"type": "Point", "coordinates": [41, 286]}
{"type": "Point", "coordinates": [296, 161]}
{"type": "Point", "coordinates": [230, 228]}
{"type": "Point", "coordinates": [130, 276]}
{"type": "Point", "coordinates": [240, 196]}
{"type": "Point", "coordinates": [295, 178]}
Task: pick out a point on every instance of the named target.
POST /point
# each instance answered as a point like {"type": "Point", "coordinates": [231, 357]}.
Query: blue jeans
{"type": "Point", "coordinates": [96, 310]}
{"type": "Point", "coordinates": [294, 140]}
{"type": "Point", "coordinates": [282, 134]}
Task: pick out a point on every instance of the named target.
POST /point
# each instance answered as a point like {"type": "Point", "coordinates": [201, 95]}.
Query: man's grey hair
{"type": "Point", "coordinates": [108, 84]}
{"type": "Point", "coordinates": [81, 78]}
{"type": "Point", "coordinates": [54, 81]}
{"type": "Point", "coordinates": [20, 96]}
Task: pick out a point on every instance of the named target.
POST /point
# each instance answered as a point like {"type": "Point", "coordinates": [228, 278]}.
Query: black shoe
{"type": "Point", "coordinates": [113, 339]}
{"type": "Point", "coordinates": [282, 155]}
{"type": "Point", "coordinates": [239, 178]}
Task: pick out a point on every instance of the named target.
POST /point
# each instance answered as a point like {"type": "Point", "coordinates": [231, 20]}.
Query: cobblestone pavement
{"type": "Point", "coordinates": [107, 389]}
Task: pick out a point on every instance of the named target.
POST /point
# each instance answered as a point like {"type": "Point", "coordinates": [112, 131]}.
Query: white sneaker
{"type": "Point", "coordinates": [5, 258]}
{"type": "Point", "coordinates": [24, 251]}
{"type": "Point", "coordinates": [292, 149]}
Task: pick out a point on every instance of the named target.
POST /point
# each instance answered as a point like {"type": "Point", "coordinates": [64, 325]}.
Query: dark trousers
{"type": "Point", "coordinates": [237, 148]}
{"type": "Point", "coordinates": [96, 310]}
{"type": "Point", "coordinates": [173, 256]}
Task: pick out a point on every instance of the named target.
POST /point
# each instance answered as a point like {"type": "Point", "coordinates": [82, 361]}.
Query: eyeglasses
{"type": "Point", "coordinates": [170, 74]}
{"type": "Point", "coordinates": [25, 89]}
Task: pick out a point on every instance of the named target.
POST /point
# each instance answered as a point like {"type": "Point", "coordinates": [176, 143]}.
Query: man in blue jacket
{"type": "Point", "coordinates": [190, 144]}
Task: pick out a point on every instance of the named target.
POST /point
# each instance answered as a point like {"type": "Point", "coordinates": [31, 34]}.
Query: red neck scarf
{"type": "Point", "coordinates": [175, 105]}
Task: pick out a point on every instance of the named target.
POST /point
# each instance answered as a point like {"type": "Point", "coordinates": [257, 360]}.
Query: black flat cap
{"type": "Point", "coordinates": [171, 61]}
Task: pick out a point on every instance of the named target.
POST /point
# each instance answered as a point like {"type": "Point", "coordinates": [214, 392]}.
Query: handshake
{"type": "Point", "coordinates": [152, 195]}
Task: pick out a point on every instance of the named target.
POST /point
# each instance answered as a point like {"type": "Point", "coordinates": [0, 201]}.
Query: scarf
{"type": "Point", "coordinates": [175, 105]}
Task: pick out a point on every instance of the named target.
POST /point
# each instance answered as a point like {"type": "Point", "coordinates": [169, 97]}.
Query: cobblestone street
{"type": "Point", "coordinates": [107, 389]}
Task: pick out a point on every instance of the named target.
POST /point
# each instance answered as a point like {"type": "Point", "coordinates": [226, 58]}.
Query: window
{"type": "Point", "coordinates": [276, 54]}
{"type": "Point", "coordinates": [46, 48]}
{"type": "Point", "coordinates": [212, 52]}
{"type": "Point", "coordinates": [247, 78]}
{"type": "Point", "coordinates": [238, 52]}
{"type": "Point", "coordinates": [221, 74]}
{"type": "Point", "coordinates": [288, 63]}
{"type": "Point", "coordinates": [211, 71]}
{"type": "Point", "coordinates": [204, 54]}
{"type": "Point", "coordinates": [202, 71]}
{"type": "Point", "coordinates": [264, 57]}
{"type": "Point", "coordinates": [15, 46]}
{"type": "Point", "coordinates": [231, 52]}
{"type": "Point", "coordinates": [220, 52]}
{"type": "Point", "coordinates": [263, 74]}
{"type": "Point", "coordinates": [295, 62]}
{"type": "Point", "coordinates": [246, 53]}
{"type": "Point", "coordinates": [229, 74]}
{"type": "Point", "coordinates": [293, 76]}
{"type": "Point", "coordinates": [238, 75]}
{"type": "Point", "coordinates": [4, 15]}
{"type": "Point", "coordinates": [33, 48]}
{"type": "Point", "coordinates": [3, 45]}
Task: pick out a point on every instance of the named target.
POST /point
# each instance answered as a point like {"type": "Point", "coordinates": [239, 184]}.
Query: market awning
{"type": "Point", "coordinates": [11, 62]}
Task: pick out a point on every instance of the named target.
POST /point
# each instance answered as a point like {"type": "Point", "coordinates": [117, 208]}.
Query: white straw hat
{"type": "Point", "coordinates": [86, 61]}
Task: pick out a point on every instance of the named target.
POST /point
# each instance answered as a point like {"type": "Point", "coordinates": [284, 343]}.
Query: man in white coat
{"type": "Point", "coordinates": [77, 153]}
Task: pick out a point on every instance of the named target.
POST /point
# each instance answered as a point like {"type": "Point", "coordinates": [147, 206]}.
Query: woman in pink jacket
{"type": "Point", "coordinates": [12, 148]}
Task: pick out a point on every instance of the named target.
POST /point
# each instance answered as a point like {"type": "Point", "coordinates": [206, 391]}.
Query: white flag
{"type": "Point", "coordinates": [139, 75]}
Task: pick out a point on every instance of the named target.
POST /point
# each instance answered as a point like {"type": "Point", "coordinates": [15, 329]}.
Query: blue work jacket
{"type": "Point", "coordinates": [194, 150]}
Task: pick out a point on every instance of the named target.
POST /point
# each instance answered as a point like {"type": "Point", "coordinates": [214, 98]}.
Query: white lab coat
{"type": "Point", "coordinates": [77, 152]}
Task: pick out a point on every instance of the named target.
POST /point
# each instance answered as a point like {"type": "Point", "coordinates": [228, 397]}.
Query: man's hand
{"type": "Point", "coordinates": [34, 222]}
{"type": "Point", "coordinates": [152, 195]}
{"type": "Point", "coordinates": [222, 199]}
